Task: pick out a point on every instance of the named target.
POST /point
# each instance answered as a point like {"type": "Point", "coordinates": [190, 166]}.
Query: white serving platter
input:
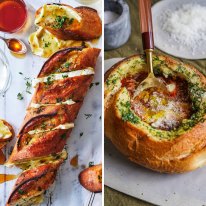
{"type": "Point", "coordinates": [162, 39]}
{"type": "Point", "coordinates": [67, 191]}
{"type": "Point", "coordinates": [161, 189]}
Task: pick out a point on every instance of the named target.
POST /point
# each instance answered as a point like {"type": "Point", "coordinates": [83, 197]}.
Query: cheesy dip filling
{"type": "Point", "coordinates": [163, 116]}
{"type": "Point", "coordinates": [161, 110]}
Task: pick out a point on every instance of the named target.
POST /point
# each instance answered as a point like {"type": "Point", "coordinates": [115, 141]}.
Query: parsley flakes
{"type": "Point", "coordinates": [20, 96]}
{"type": "Point", "coordinates": [88, 115]}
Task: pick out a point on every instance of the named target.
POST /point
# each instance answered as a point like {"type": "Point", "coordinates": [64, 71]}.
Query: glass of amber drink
{"type": "Point", "coordinates": [13, 15]}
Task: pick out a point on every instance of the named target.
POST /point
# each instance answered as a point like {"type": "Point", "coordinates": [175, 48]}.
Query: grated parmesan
{"type": "Point", "coordinates": [186, 25]}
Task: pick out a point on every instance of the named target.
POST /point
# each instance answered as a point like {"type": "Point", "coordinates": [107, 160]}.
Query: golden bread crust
{"type": "Point", "coordinates": [89, 28]}
{"type": "Point", "coordinates": [175, 155]}
{"type": "Point", "coordinates": [45, 129]}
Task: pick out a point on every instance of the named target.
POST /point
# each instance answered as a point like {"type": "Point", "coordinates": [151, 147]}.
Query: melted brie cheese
{"type": "Point", "coordinates": [36, 106]}
{"type": "Point", "coordinates": [48, 14]}
{"type": "Point", "coordinates": [4, 131]}
{"type": "Point", "coordinates": [59, 76]}
{"type": "Point", "coordinates": [61, 126]}
{"type": "Point", "coordinates": [44, 44]}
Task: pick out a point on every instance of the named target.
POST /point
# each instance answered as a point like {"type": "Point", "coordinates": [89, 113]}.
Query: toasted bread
{"type": "Point", "coordinates": [81, 23]}
{"type": "Point", "coordinates": [60, 89]}
{"type": "Point", "coordinates": [91, 178]}
{"type": "Point", "coordinates": [174, 150]}
{"type": "Point", "coordinates": [4, 141]}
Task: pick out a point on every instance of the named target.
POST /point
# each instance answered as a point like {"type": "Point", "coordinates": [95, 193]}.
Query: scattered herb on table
{"type": "Point", "coordinates": [81, 134]}
{"type": "Point", "coordinates": [88, 115]}
{"type": "Point", "coordinates": [91, 164]}
{"type": "Point", "coordinates": [92, 84]}
{"type": "Point", "coordinates": [20, 96]}
{"type": "Point", "coordinates": [21, 73]}
{"type": "Point", "coordinates": [28, 86]}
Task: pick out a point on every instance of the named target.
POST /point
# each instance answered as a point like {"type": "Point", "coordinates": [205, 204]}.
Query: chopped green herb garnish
{"type": "Point", "coordinates": [127, 114]}
{"type": "Point", "coordinates": [21, 73]}
{"type": "Point", "coordinates": [91, 164]}
{"type": "Point", "coordinates": [91, 85]}
{"type": "Point", "coordinates": [60, 21]}
{"type": "Point", "coordinates": [58, 100]}
{"type": "Point", "coordinates": [65, 75]}
{"type": "Point", "coordinates": [88, 115]}
{"type": "Point", "coordinates": [64, 136]}
{"type": "Point", "coordinates": [49, 81]}
{"type": "Point", "coordinates": [81, 134]}
{"type": "Point", "coordinates": [28, 86]}
{"type": "Point", "coordinates": [21, 192]}
{"type": "Point", "coordinates": [43, 125]}
{"type": "Point", "coordinates": [20, 96]}
{"type": "Point", "coordinates": [47, 44]}
{"type": "Point", "coordinates": [67, 64]}
{"type": "Point", "coordinates": [71, 21]}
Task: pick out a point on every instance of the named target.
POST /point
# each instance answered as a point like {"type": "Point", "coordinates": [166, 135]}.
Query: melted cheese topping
{"type": "Point", "coordinates": [4, 131]}
{"type": "Point", "coordinates": [36, 106]}
{"type": "Point", "coordinates": [44, 44]}
{"type": "Point", "coordinates": [48, 13]}
{"type": "Point", "coordinates": [59, 76]}
{"type": "Point", "coordinates": [61, 126]}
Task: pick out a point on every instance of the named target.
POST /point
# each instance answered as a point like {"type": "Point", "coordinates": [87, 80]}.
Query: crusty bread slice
{"type": "Point", "coordinates": [91, 178]}
{"type": "Point", "coordinates": [4, 141]}
{"type": "Point", "coordinates": [81, 23]}
{"type": "Point", "coordinates": [33, 182]}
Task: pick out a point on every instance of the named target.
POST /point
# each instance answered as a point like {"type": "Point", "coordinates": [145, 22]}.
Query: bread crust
{"type": "Point", "coordinates": [43, 135]}
{"type": "Point", "coordinates": [91, 178]}
{"type": "Point", "coordinates": [89, 28]}
{"type": "Point", "coordinates": [181, 154]}
{"type": "Point", "coordinates": [3, 142]}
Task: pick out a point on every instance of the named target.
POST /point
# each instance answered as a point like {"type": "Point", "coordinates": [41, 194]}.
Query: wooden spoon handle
{"type": "Point", "coordinates": [146, 24]}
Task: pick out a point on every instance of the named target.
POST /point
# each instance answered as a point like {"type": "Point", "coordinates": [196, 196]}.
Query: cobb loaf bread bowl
{"type": "Point", "coordinates": [163, 132]}
{"type": "Point", "coordinates": [68, 23]}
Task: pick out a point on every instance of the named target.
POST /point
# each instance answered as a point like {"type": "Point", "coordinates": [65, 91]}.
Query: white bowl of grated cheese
{"type": "Point", "coordinates": [180, 28]}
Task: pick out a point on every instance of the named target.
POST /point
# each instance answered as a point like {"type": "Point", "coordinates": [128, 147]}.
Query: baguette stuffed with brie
{"type": "Point", "coordinates": [68, 23]}
{"type": "Point", "coordinates": [60, 89]}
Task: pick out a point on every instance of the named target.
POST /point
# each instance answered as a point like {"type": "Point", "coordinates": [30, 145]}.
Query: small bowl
{"type": "Point", "coordinates": [118, 31]}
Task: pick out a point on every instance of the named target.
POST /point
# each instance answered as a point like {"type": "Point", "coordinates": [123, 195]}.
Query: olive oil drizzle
{"type": "Point", "coordinates": [7, 177]}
